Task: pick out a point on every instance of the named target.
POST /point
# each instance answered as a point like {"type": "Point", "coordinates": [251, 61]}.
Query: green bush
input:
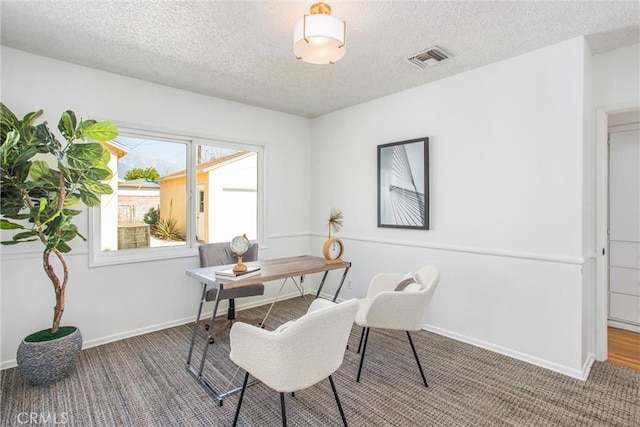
{"type": "Point", "coordinates": [152, 217]}
{"type": "Point", "coordinates": [167, 229]}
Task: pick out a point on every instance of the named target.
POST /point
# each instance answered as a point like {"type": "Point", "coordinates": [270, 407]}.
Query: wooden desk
{"type": "Point", "coordinates": [270, 270]}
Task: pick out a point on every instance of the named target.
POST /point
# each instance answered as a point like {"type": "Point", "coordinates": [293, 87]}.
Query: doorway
{"type": "Point", "coordinates": [618, 231]}
{"type": "Point", "coordinates": [624, 223]}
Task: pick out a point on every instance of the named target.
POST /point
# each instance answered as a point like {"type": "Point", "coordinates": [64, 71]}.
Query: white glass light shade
{"type": "Point", "coordinates": [319, 39]}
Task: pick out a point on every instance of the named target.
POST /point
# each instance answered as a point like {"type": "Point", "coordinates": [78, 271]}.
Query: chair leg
{"type": "Point", "coordinates": [284, 413]}
{"type": "Point", "coordinates": [360, 343]}
{"type": "Point", "coordinates": [364, 348]}
{"type": "Point", "coordinates": [335, 393]}
{"type": "Point", "coordinates": [415, 354]}
{"type": "Point", "coordinates": [244, 387]}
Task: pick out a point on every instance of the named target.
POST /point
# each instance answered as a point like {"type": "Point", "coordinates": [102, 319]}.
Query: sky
{"type": "Point", "coordinates": [165, 156]}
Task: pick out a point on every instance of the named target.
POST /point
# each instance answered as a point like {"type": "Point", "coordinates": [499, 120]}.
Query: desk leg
{"type": "Point", "coordinates": [206, 345]}
{"type": "Point", "coordinates": [197, 375]}
{"type": "Point", "coordinates": [324, 276]}
{"type": "Point", "coordinates": [195, 325]}
{"type": "Point", "coordinates": [346, 270]}
{"type": "Point", "coordinates": [273, 302]}
{"type": "Point", "coordinates": [300, 287]}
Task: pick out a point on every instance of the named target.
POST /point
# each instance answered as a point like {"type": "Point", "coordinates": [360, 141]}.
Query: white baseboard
{"type": "Point", "coordinates": [12, 363]}
{"type": "Point", "coordinates": [622, 325]}
{"type": "Point", "coordinates": [581, 374]}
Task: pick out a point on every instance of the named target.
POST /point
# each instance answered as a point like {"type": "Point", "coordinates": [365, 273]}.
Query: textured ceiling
{"type": "Point", "coordinates": [242, 50]}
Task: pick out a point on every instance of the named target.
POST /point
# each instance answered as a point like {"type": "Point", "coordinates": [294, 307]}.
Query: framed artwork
{"type": "Point", "coordinates": [403, 184]}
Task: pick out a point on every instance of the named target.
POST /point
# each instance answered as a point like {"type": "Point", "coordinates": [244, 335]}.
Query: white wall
{"type": "Point", "coordinates": [506, 201]}
{"type": "Point", "coordinates": [588, 211]}
{"type": "Point", "coordinates": [115, 301]}
{"type": "Point", "coordinates": [232, 199]}
{"type": "Point", "coordinates": [615, 77]}
{"type": "Point", "coordinates": [507, 178]}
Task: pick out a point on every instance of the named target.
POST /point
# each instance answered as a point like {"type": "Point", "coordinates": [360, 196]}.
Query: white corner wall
{"type": "Point", "coordinates": [616, 80]}
{"type": "Point", "coordinates": [506, 202]}
{"type": "Point", "coordinates": [508, 209]}
{"type": "Point", "coordinates": [112, 302]}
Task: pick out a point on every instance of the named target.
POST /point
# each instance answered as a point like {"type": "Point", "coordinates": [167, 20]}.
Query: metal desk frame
{"type": "Point", "coordinates": [270, 270]}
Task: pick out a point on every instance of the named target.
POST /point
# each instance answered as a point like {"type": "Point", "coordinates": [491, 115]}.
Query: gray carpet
{"type": "Point", "coordinates": [141, 381]}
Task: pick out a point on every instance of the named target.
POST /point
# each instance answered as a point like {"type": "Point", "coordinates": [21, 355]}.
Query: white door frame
{"type": "Point", "coordinates": [200, 216]}
{"type": "Point", "coordinates": [602, 217]}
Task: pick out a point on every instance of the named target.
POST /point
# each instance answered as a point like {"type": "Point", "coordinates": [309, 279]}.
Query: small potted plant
{"type": "Point", "coordinates": [38, 202]}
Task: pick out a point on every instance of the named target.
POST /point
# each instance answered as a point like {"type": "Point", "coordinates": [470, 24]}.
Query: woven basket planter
{"type": "Point", "coordinates": [49, 361]}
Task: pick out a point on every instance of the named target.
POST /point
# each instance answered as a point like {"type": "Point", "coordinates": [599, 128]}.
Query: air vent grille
{"type": "Point", "coordinates": [429, 57]}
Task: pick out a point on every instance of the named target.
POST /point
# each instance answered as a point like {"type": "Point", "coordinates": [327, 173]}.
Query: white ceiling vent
{"type": "Point", "coordinates": [429, 57]}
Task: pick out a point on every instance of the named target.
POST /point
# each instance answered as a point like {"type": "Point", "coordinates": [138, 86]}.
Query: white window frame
{"type": "Point", "coordinates": [99, 258]}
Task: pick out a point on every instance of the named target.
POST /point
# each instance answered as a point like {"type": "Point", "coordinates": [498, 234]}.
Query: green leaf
{"type": "Point", "coordinates": [82, 237]}
{"type": "Point", "coordinates": [63, 247]}
{"type": "Point", "coordinates": [69, 233]}
{"type": "Point", "coordinates": [89, 199]}
{"type": "Point", "coordinates": [8, 225]}
{"type": "Point", "coordinates": [52, 217]}
{"type": "Point", "coordinates": [98, 187]}
{"type": "Point", "coordinates": [25, 235]}
{"type": "Point", "coordinates": [83, 125]}
{"type": "Point", "coordinates": [39, 170]}
{"type": "Point", "coordinates": [11, 202]}
{"type": "Point", "coordinates": [70, 200]}
{"type": "Point", "coordinates": [41, 207]}
{"type": "Point", "coordinates": [84, 156]}
{"type": "Point", "coordinates": [99, 173]}
{"type": "Point", "coordinates": [67, 125]}
{"type": "Point", "coordinates": [101, 131]}
{"type": "Point", "coordinates": [24, 156]}
{"type": "Point", "coordinates": [8, 120]}
{"type": "Point", "coordinates": [42, 137]}
{"type": "Point", "coordinates": [71, 212]}
{"type": "Point", "coordinates": [29, 118]}
{"type": "Point", "coordinates": [105, 158]}
{"type": "Point", "coordinates": [10, 141]}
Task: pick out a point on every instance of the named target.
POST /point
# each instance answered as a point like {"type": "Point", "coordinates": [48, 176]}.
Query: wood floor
{"type": "Point", "coordinates": [624, 348]}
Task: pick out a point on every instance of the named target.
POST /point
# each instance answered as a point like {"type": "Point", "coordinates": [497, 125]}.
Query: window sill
{"type": "Point", "coordinates": [132, 256]}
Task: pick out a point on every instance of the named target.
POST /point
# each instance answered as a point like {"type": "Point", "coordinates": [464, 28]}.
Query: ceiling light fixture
{"type": "Point", "coordinates": [319, 38]}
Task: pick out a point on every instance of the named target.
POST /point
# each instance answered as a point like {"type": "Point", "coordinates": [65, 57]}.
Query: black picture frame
{"type": "Point", "coordinates": [403, 184]}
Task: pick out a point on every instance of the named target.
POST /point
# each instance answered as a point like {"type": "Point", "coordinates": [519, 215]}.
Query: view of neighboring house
{"type": "Point", "coordinates": [135, 199]}
{"type": "Point", "coordinates": [222, 183]}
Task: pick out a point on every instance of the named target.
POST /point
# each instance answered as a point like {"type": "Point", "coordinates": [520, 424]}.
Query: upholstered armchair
{"type": "Point", "coordinates": [396, 301]}
{"type": "Point", "coordinates": [299, 353]}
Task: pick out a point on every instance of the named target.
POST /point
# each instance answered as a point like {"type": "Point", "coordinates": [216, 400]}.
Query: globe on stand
{"type": "Point", "coordinates": [239, 246]}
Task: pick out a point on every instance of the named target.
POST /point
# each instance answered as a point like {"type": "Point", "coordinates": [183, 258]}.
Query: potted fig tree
{"type": "Point", "coordinates": [43, 179]}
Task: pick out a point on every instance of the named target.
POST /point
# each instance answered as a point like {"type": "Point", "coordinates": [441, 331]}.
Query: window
{"type": "Point", "coordinates": [151, 213]}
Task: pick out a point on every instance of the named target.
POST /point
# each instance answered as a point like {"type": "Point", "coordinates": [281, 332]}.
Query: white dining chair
{"type": "Point", "coordinates": [396, 301]}
{"type": "Point", "coordinates": [297, 354]}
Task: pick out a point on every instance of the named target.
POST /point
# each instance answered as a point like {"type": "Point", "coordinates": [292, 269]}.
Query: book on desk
{"type": "Point", "coordinates": [229, 274]}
